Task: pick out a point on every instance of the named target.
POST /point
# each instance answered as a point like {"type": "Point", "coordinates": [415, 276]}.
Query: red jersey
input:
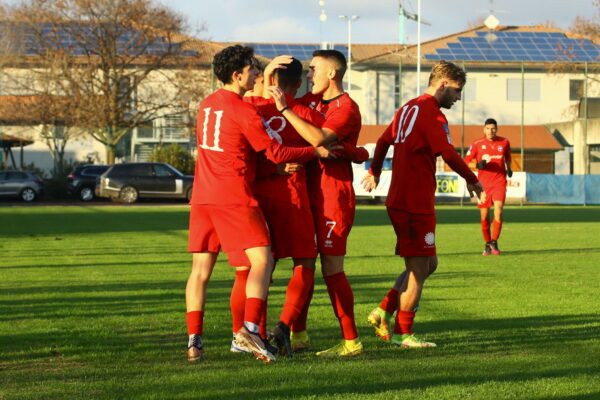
{"type": "Point", "coordinates": [329, 180]}
{"type": "Point", "coordinates": [289, 188]}
{"type": "Point", "coordinates": [496, 153]}
{"type": "Point", "coordinates": [419, 133]}
{"type": "Point", "coordinates": [229, 132]}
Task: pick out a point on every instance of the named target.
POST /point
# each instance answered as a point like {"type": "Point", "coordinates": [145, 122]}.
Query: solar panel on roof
{"type": "Point", "coordinates": [521, 46]}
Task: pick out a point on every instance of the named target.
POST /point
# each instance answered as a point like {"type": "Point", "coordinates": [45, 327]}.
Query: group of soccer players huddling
{"type": "Point", "coordinates": [273, 180]}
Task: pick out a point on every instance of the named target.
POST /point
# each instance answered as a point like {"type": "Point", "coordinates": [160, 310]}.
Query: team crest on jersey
{"type": "Point", "coordinates": [483, 147]}
{"type": "Point", "coordinates": [447, 133]}
{"type": "Point", "coordinates": [429, 239]}
{"type": "Point", "coordinates": [499, 148]}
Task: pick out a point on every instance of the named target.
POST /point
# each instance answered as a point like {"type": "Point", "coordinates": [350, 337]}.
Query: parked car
{"type": "Point", "coordinates": [130, 181]}
{"type": "Point", "coordinates": [21, 184]}
{"type": "Point", "coordinates": [81, 182]}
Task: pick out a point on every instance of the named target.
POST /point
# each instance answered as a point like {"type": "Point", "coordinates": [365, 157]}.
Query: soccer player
{"type": "Point", "coordinates": [419, 133]}
{"type": "Point", "coordinates": [224, 212]}
{"type": "Point", "coordinates": [330, 189]}
{"type": "Point", "coordinates": [282, 194]}
{"type": "Point", "coordinates": [492, 155]}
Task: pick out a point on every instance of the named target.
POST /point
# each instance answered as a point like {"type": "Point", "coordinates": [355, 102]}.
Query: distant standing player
{"type": "Point", "coordinates": [492, 153]}
{"type": "Point", "coordinates": [419, 133]}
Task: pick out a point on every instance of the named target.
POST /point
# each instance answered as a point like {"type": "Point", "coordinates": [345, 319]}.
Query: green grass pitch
{"type": "Point", "coordinates": [92, 307]}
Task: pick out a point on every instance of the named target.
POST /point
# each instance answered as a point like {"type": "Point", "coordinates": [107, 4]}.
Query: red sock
{"type": "Point", "coordinates": [237, 301]}
{"type": "Point", "coordinates": [299, 287]}
{"type": "Point", "coordinates": [496, 228]}
{"type": "Point", "coordinates": [194, 321]}
{"type": "Point", "coordinates": [262, 325]}
{"type": "Point", "coordinates": [404, 322]}
{"type": "Point", "coordinates": [342, 300]}
{"type": "Point", "coordinates": [299, 325]}
{"type": "Point", "coordinates": [253, 312]}
{"type": "Point", "coordinates": [485, 228]}
{"type": "Point", "coordinates": [390, 301]}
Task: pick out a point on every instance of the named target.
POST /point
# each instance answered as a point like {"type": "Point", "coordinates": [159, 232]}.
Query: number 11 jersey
{"type": "Point", "coordinates": [229, 132]}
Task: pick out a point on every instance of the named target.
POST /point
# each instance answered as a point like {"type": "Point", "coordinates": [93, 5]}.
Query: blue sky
{"type": "Point", "coordinates": [298, 20]}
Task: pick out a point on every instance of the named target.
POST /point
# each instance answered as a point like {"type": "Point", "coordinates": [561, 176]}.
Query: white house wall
{"type": "Point", "coordinates": [490, 97]}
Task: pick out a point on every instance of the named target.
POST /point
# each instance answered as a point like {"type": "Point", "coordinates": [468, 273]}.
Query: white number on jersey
{"type": "Point", "coordinates": [403, 130]}
{"type": "Point", "coordinates": [216, 133]}
{"type": "Point", "coordinates": [274, 133]}
{"type": "Point", "coordinates": [332, 225]}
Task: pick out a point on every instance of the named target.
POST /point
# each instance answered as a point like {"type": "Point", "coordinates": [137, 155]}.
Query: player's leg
{"type": "Point", "coordinates": [244, 229]}
{"type": "Point", "coordinates": [195, 298]}
{"type": "Point", "coordinates": [381, 316]}
{"type": "Point", "coordinates": [418, 269]}
{"type": "Point", "coordinates": [293, 235]}
{"type": "Point", "coordinates": [299, 289]}
{"type": "Point", "coordinates": [299, 335]}
{"type": "Point", "coordinates": [237, 303]}
{"type": "Point", "coordinates": [496, 226]}
{"type": "Point", "coordinates": [484, 213]}
{"type": "Point", "coordinates": [203, 242]}
{"type": "Point", "coordinates": [257, 286]}
{"type": "Point", "coordinates": [342, 300]}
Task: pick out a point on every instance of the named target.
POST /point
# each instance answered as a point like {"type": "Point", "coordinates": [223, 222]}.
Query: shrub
{"type": "Point", "coordinates": [175, 155]}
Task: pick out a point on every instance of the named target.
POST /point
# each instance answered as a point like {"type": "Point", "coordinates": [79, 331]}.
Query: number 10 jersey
{"type": "Point", "coordinates": [419, 133]}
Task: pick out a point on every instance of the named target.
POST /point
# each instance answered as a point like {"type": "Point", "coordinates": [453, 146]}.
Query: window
{"type": "Point", "coordinates": [139, 170]}
{"type": "Point", "coordinates": [575, 89]}
{"type": "Point", "coordinates": [16, 176]}
{"type": "Point", "coordinates": [532, 89]}
{"type": "Point", "coordinates": [162, 170]}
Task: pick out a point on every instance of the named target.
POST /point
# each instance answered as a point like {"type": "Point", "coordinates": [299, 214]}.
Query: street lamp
{"type": "Point", "coordinates": [349, 19]}
{"type": "Point", "coordinates": [322, 19]}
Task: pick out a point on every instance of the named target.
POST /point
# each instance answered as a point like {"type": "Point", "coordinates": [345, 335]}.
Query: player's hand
{"type": "Point", "coordinates": [369, 182]}
{"type": "Point", "coordinates": [277, 95]}
{"type": "Point", "coordinates": [279, 62]}
{"type": "Point", "coordinates": [509, 172]}
{"type": "Point", "coordinates": [481, 164]}
{"type": "Point", "coordinates": [323, 152]}
{"type": "Point", "coordinates": [292, 168]}
{"type": "Point", "coordinates": [476, 189]}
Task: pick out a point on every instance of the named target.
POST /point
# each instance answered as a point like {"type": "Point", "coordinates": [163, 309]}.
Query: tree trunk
{"type": "Point", "coordinates": [110, 153]}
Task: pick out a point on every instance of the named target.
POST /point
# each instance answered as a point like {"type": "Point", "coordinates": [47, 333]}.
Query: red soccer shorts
{"type": "Point", "coordinates": [333, 228]}
{"type": "Point", "coordinates": [233, 228]}
{"type": "Point", "coordinates": [415, 233]}
{"type": "Point", "coordinates": [493, 193]}
{"type": "Point", "coordinates": [292, 228]}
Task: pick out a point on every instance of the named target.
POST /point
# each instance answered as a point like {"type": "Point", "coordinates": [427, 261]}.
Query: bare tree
{"type": "Point", "coordinates": [115, 60]}
{"type": "Point", "coordinates": [588, 26]}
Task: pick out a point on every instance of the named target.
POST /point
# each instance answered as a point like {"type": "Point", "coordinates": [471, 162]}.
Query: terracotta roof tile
{"type": "Point", "coordinates": [537, 137]}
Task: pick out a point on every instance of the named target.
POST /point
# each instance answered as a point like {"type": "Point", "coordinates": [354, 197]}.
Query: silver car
{"type": "Point", "coordinates": [21, 184]}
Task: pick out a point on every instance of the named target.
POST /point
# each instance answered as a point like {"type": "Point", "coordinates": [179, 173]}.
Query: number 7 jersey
{"type": "Point", "coordinates": [419, 133]}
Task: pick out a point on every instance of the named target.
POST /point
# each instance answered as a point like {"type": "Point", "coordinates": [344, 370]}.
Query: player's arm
{"type": "Point", "coordinates": [440, 144]}
{"type": "Point", "coordinates": [258, 138]}
{"type": "Point", "coordinates": [314, 135]}
{"type": "Point", "coordinates": [371, 178]}
{"type": "Point", "coordinates": [279, 62]}
{"type": "Point", "coordinates": [349, 152]}
{"type": "Point", "coordinates": [508, 160]}
{"type": "Point", "coordinates": [472, 155]}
